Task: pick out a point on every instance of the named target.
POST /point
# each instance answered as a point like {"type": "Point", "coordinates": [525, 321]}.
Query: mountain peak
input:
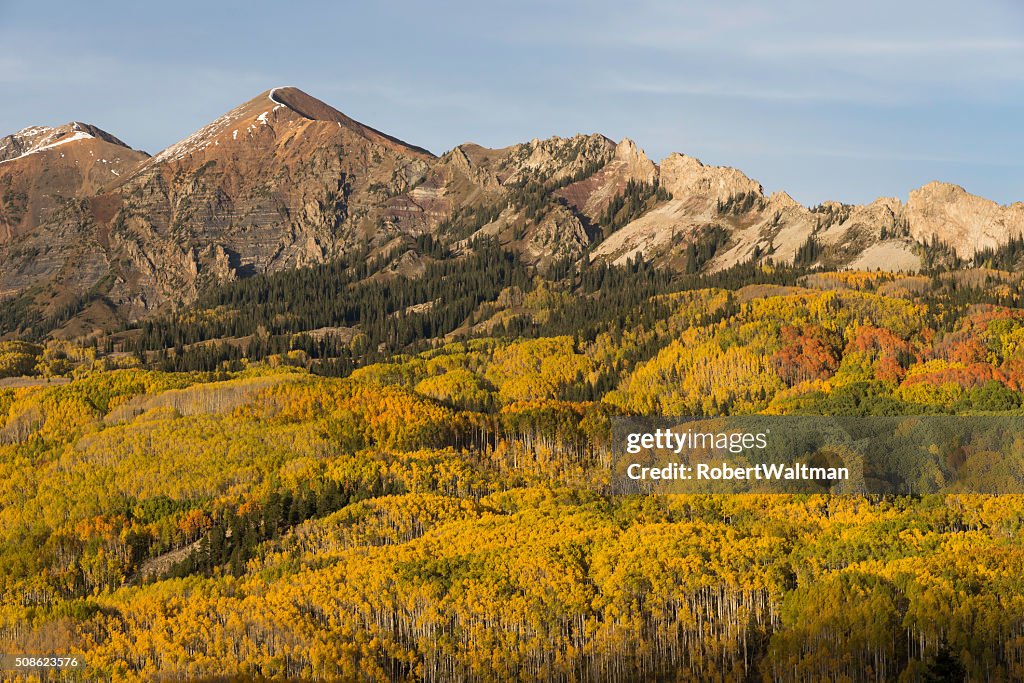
{"type": "Point", "coordinates": [782, 200]}
{"type": "Point", "coordinates": [627, 150]}
{"type": "Point", "coordinates": [639, 166]}
{"type": "Point", "coordinates": [685, 176]}
{"type": "Point", "coordinates": [965, 221]}
{"type": "Point", "coordinates": [279, 107]}
{"type": "Point", "coordinates": [34, 139]}
{"type": "Point", "coordinates": [938, 187]}
{"type": "Point", "coordinates": [302, 103]}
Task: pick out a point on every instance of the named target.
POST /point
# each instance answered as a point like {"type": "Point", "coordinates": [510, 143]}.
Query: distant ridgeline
{"type": "Point", "coordinates": [98, 240]}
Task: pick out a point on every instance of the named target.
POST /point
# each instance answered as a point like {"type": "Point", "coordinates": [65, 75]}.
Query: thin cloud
{"type": "Point", "coordinates": [870, 47]}
{"type": "Point", "coordinates": [668, 87]}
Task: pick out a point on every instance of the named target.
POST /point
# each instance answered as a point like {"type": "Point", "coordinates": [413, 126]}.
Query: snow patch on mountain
{"type": "Point", "coordinates": [35, 139]}
{"type": "Point", "coordinates": [274, 99]}
{"type": "Point", "coordinates": [208, 135]}
{"type": "Point", "coordinates": [199, 140]}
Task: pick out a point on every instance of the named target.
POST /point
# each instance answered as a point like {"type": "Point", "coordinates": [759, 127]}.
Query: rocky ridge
{"type": "Point", "coordinates": [95, 232]}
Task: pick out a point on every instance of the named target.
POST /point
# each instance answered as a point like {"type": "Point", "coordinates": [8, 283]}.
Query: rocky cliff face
{"type": "Point", "coordinates": [592, 195]}
{"type": "Point", "coordinates": [964, 221]}
{"type": "Point", "coordinates": [282, 181]}
{"type": "Point", "coordinates": [698, 194]}
{"type": "Point", "coordinates": [95, 232]}
{"type": "Point", "coordinates": [886, 234]}
{"type": "Point", "coordinates": [279, 182]}
{"type": "Point", "coordinates": [535, 198]}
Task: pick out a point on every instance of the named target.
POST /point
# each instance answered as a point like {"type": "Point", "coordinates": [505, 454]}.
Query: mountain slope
{"type": "Point", "coordinates": [99, 234]}
{"type": "Point", "coordinates": [721, 203]}
{"type": "Point", "coordinates": [40, 167]}
{"type": "Point", "coordinates": [279, 182]}
{"type": "Point", "coordinates": [542, 199]}
{"type": "Point", "coordinates": [51, 258]}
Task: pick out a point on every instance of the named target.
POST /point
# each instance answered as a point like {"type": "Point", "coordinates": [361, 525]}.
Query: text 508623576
{"type": "Point", "coordinates": [8, 662]}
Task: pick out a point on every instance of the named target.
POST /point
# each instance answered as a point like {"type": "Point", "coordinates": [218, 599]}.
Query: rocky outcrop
{"type": "Point", "coordinates": [590, 196]}
{"type": "Point", "coordinates": [689, 180]}
{"type": "Point", "coordinates": [516, 194]}
{"type": "Point", "coordinates": [703, 197]}
{"type": "Point", "coordinates": [559, 235]}
{"type": "Point", "coordinates": [885, 234]}
{"type": "Point", "coordinates": [962, 220]}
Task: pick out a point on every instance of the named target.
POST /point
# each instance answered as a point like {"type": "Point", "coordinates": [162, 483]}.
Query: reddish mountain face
{"type": "Point", "coordinates": [281, 181]}
{"type": "Point", "coordinates": [41, 168]}
{"type": "Point", "coordinates": [96, 231]}
{"type": "Point", "coordinates": [51, 256]}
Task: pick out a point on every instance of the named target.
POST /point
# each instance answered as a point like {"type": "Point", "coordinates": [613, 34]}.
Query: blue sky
{"type": "Point", "coordinates": [826, 99]}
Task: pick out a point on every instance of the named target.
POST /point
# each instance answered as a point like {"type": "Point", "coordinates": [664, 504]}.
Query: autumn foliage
{"type": "Point", "coordinates": [445, 515]}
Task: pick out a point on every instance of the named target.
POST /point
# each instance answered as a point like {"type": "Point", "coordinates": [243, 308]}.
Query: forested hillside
{"type": "Point", "coordinates": [348, 477]}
